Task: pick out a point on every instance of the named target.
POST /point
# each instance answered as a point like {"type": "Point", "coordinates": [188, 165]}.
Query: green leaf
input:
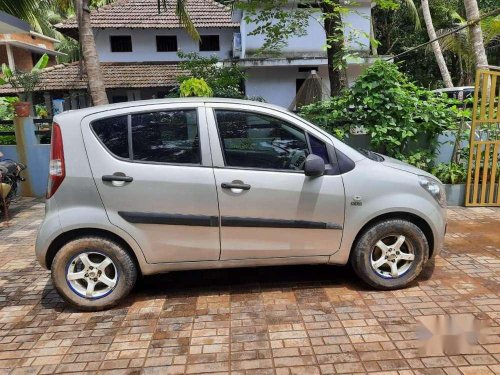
{"type": "Point", "coordinates": [6, 71]}
{"type": "Point", "coordinates": [41, 63]}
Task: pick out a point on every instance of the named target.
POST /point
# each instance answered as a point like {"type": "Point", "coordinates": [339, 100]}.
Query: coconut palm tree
{"type": "Point", "coordinates": [472, 13]}
{"type": "Point", "coordinates": [96, 86]}
{"type": "Point", "coordinates": [438, 53]}
{"type": "Point", "coordinates": [460, 44]}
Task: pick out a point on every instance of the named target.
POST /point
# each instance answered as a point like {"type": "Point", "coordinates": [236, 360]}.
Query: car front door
{"type": "Point", "coordinates": [153, 170]}
{"type": "Point", "coordinates": [268, 207]}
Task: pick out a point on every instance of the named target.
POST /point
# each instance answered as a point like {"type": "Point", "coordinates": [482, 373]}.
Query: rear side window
{"type": "Point", "coordinates": [113, 133]}
{"type": "Point", "coordinates": [160, 136]}
{"type": "Point", "coordinates": [166, 137]}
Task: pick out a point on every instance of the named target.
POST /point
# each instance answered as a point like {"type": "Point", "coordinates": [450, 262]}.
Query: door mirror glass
{"type": "Point", "coordinates": [314, 166]}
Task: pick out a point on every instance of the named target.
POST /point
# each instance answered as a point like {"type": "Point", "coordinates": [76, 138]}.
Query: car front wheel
{"type": "Point", "coordinates": [93, 273]}
{"type": "Point", "coordinates": [390, 254]}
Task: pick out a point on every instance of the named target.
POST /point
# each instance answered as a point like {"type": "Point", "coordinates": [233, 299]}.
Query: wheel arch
{"type": "Point", "coordinates": [412, 218]}
{"type": "Point", "coordinates": [73, 234]}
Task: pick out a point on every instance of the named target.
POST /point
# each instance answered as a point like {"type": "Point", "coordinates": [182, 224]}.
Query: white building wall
{"type": "Point", "coordinates": [144, 44]}
{"type": "Point", "coordinates": [357, 27]}
{"type": "Point", "coordinates": [356, 33]}
{"type": "Point", "coordinates": [277, 85]}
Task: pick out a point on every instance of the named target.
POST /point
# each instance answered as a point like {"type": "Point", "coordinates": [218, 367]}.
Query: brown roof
{"type": "Point", "coordinates": [116, 75]}
{"type": "Point", "coordinates": [144, 14]}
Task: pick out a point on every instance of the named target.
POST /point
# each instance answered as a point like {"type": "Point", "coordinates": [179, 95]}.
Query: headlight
{"type": "Point", "coordinates": [434, 188]}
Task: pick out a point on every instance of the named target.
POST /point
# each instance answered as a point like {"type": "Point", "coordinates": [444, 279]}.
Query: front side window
{"type": "Point", "coordinates": [113, 134]}
{"type": "Point", "coordinates": [254, 140]}
{"type": "Point", "coordinates": [121, 43]}
{"type": "Point", "coordinates": [166, 137]}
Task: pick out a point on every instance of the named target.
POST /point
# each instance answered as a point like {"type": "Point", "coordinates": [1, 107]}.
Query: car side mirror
{"type": "Point", "coordinates": [314, 166]}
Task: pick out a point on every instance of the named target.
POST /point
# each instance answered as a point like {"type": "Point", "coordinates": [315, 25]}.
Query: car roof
{"type": "Point", "coordinates": [139, 103]}
{"type": "Point", "coordinates": [451, 89]}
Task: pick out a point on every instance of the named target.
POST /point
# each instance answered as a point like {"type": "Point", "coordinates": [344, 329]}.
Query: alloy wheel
{"type": "Point", "coordinates": [92, 275]}
{"type": "Point", "coordinates": [392, 256]}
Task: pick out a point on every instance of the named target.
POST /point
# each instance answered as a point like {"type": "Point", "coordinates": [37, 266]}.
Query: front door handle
{"type": "Point", "coordinates": [231, 185]}
{"type": "Point", "coordinates": [117, 177]}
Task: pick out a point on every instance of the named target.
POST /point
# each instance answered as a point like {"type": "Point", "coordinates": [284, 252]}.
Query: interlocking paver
{"type": "Point", "coordinates": [280, 320]}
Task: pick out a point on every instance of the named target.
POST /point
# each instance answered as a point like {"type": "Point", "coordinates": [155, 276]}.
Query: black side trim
{"type": "Point", "coordinates": [170, 219]}
{"type": "Point", "coordinates": [275, 223]}
{"type": "Point", "coordinates": [213, 221]}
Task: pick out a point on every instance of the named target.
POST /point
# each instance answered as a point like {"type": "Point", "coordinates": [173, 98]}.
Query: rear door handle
{"type": "Point", "coordinates": [117, 177]}
{"type": "Point", "coordinates": [230, 185]}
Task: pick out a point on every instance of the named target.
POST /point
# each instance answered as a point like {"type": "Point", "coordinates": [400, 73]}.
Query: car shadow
{"type": "Point", "coordinates": [237, 281]}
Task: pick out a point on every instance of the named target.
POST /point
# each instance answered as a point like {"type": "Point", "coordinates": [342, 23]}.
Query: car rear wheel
{"type": "Point", "coordinates": [93, 273]}
{"type": "Point", "coordinates": [390, 254]}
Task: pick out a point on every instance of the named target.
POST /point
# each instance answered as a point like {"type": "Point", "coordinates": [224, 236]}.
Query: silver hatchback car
{"type": "Point", "coordinates": [155, 186]}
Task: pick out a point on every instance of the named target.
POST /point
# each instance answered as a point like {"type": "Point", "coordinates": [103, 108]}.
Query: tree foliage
{"type": "Point", "coordinates": [225, 80]}
{"type": "Point", "coordinates": [396, 34]}
{"type": "Point", "coordinates": [27, 81]}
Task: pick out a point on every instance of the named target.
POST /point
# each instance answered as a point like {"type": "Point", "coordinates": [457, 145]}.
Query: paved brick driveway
{"type": "Point", "coordinates": [295, 320]}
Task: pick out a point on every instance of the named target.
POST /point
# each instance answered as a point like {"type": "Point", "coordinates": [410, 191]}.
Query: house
{"type": "Point", "coordinates": [20, 47]}
{"type": "Point", "coordinates": [138, 47]}
{"type": "Point", "coordinates": [278, 78]}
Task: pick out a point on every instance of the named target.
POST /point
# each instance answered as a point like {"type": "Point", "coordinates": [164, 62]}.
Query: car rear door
{"type": "Point", "coordinates": [153, 170]}
{"type": "Point", "coordinates": [268, 207]}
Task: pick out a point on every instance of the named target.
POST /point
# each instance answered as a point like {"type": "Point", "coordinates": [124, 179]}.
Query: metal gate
{"type": "Point", "coordinates": [483, 176]}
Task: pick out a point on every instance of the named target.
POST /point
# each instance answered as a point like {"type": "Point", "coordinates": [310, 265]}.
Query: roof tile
{"type": "Point", "coordinates": [116, 75]}
{"type": "Point", "coordinates": [144, 14]}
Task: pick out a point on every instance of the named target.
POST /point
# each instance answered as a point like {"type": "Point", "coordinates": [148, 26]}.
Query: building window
{"type": "Point", "coordinates": [119, 99]}
{"type": "Point", "coordinates": [166, 43]}
{"type": "Point", "coordinates": [309, 4]}
{"type": "Point", "coordinates": [307, 69]}
{"type": "Point", "coordinates": [298, 84]}
{"type": "Point", "coordinates": [121, 43]}
{"type": "Point", "coordinates": [209, 43]}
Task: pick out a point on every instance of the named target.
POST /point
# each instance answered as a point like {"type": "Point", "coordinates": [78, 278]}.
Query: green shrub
{"type": "Point", "coordinates": [7, 139]}
{"type": "Point", "coordinates": [7, 113]}
{"type": "Point", "coordinates": [397, 114]}
{"type": "Point", "coordinates": [195, 87]}
{"type": "Point", "coordinates": [224, 80]}
{"type": "Point", "coordinates": [451, 173]}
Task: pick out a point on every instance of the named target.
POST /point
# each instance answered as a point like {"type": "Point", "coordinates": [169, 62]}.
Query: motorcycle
{"type": "Point", "coordinates": [10, 176]}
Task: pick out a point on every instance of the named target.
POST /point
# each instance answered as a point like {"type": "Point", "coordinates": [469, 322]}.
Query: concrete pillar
{"type": "Point", "coordinates": [32, 154]}
{"type": "Point", "coordinates": [25, 136]}
{"type": "Point", "coordinates": [10, 57]}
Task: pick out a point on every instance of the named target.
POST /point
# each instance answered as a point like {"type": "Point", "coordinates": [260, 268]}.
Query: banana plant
{"type": "Point", "coordinates": [27, 82]}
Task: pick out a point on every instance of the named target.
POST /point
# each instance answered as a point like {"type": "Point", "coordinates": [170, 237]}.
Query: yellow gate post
{"type": "Point", "coordinates": [483, 175]}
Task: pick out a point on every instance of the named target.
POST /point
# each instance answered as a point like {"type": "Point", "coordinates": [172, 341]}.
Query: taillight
{"type": "Point", "coordinates": [57, 170]}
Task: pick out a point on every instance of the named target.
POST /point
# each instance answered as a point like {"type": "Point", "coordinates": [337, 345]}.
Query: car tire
{"type": "Point", "coordinates": [381, 263]}
{"type": "Point", "coordinates": [93, 273]}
